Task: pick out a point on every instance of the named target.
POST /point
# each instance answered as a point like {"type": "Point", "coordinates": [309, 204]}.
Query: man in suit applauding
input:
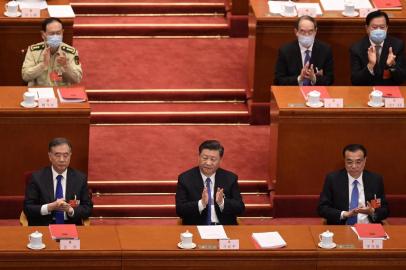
{"type": "Point", "coordinates": [377, 59]}
{"type": "Point", "coordinates": [57, 194]}
{"type": "Point", "coordinates": [353, 195]}
{"type": "Point", "coordinates": [305, 61]}
{"type": "Point", "coordinates": [207, 194]}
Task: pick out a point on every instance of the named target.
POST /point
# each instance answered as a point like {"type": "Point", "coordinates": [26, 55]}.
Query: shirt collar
{"type": "Point", "coordinates": [352, 179]}
{"type": "Point", "coordinates": [304, 49]}
{"type": "Point", "coordinates": [373, 44]}
{"type": "Point", "coordinates": [55, 173]}
{"type": "Point", "coordinates": [204, 177]}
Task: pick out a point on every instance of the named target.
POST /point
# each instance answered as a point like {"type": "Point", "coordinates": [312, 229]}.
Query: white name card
{"type": "Point", "coordinates": [372, 244]}
{"type": "Point", "coordinates": [333, 103]}
{"type": "Point", "coordinates": [69, 244]}
{"type": "Point", "coordinates": [47, 103]}
{"type": "Point", "coordinates": [394, 102]}
{"type": "Point", "coordinates": [312, 12]}
{"type": "Point", "coordinates": [229, 244]}
{"type": "Point", "coordinates": [31, 12]}
{"type": "Point", "coordinates": [363, 12]}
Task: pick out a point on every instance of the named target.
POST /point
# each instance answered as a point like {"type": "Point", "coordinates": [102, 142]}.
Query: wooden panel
{"type": "Point", "coordinates": [267, 33]}
{"type": "Point", "coordinates": [25, 134]}
{"type": "Point", "coordinates": [310, 141]}
{"type": "Point", "coordinates": [16, 34]}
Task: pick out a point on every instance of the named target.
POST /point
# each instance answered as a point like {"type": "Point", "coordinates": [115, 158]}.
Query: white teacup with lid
{"type": "Point", "coordinates": [313, 99]}
{"type": "Point", "coordinates": [186, 240]}
{"type": "Point", "coordinates": [35, 240]}
{"type": "Point", "coordinates": [11, 9]}
{"type": "Point", "coordinates": [375, 98]}
{"type": "Point", "coordinates": [326, 239]}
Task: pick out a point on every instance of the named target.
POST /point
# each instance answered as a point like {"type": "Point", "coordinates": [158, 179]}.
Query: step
{"type": "Point", "coordinates": [116, 186]}
{"type": "Point", "coordinates": [166, 94]}
{"type": "Point", "coordinates": [148, 7]}
{"type": "Point", "coordinates": [150, 26]}
{"type": "Point", "coordinates": [169, 113]}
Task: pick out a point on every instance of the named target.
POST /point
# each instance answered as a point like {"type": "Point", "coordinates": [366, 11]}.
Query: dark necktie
{"type": "Point", "coordinates": [377, 52]}
{"type": "Point", "coordinates": [354, 203]}
{"type": "Point", "coordinates": [306, 60]}
{"type": "Point", "coordinates": [209, 202]}
{"type": "Point", "coordinates": [59, 215]}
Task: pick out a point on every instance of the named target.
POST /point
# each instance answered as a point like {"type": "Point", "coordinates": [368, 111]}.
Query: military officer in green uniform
{"type": "Point", "coordinates": [51, 62]}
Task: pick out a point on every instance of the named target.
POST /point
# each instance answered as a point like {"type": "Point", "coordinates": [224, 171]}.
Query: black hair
{"type": "Point", "coordinates": [59, 141]}
{"type": "Point", "coordinates": [48, 21]}
{"type": "Point", "coordinates": [212, 145]}
{"type": "Point", "coordinates": [355, 147]}
{"type": "Point", "coordinates": [376, 14]}
{"type": "Point", "coordinates": [306, 17]}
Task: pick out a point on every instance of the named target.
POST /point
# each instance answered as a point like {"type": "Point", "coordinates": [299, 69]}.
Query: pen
{"type": "Point", "coordinates": [75, 197]}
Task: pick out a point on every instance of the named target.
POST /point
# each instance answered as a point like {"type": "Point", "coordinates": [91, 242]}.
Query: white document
{"type": "Point", "coordinates": [269, 240]}
{"type": "Point", "coordinates": [276, 7]}
{"type": "Point", "coordinates": [310, 5]}
{"type": "Point", "coordinates": [212, 232]}
{"type": "Point", "coordinates": [45, 92]}
{"type": "Point", "coordinates": [61, 11]}
{"type": "Point", "coordinates": [338, 5]}
{"type": "Point", "coordinates": [33, 4]}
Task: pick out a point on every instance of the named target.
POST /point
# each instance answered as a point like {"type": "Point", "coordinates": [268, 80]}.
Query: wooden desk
{"type": "Point", "coordinates": [391, 257]}
{"type": "Point", "coordinates": [307, 143]}
{"type": "Point", "coordinates": [100, 249]}
{"type": "Point", "coordinates": [16, 34]}
{"type": "Point", "coordinates": [155, 248]}
{"type": "Point", "coordinates": [267, 33]}
{"type": "Point", "coordinates": [25, 134]}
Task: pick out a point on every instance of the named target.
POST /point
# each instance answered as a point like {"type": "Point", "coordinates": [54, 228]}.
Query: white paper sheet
{"type": "Point", "coordinates": [310, 5]}
{"type": "Point", "coordinates": [338, 5]}
{"type": "Point", "coordinates": [212, 232]}
{"type": "Point", "coordinates": [269, 240]}
{"type": "Point", "coordinates": [276, 7]}
{"type": "Point", "coordinates": [33, 4]}
{"type": "Point", "coordinates": [61, 11]}
{"type": "Point", "coordinates": [45, 92]}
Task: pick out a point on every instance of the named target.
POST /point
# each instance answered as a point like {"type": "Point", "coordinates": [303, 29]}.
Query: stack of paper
{"type": "Point", "coordinates": [370, 231]}
{"type": "Point", "coordinates": [212, 232]}
{"type": "Point", "coordinates": [61, 11]}
{"type": "Point", "coordinates": [45, 92]}
{"type": "Point", "coordinates": [33, 4]}
{"type": "Point", "coordinates": [269, 240]}
{"type": "Point", "coordinates": [338, 5]}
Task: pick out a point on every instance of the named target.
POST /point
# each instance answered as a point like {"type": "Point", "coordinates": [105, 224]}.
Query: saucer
{"type": "Point", "coordinates": [354, 14]}
{"type": "Point", "coordinates": [318, 105]}
{"type": "Point", "coordinates": [284, 14]}
{"type": "Point", "coordinates": [375, 105]}
{"type": "Point", "coordinates": [33, 105]}
{"type": "Point", "coordinates": [14, 15]}
{"type": "Point", "coordinates": [182, 247]}
{"type": "Point", "coordinates": [333, 245]}
{"type": "Point", "coordinates": [35, 248]}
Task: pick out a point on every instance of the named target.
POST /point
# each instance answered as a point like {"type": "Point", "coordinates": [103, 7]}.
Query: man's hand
{"type": "Point", "coordinates": [205, 197]}
{"type": "Point", "coordinates": [220, 196]}
{"type": "Point", "coordinates": [367, 210]}
{"type": "Point", "coordinates": [350, 213]}
{"type": "Point", "coordinates": [371, 57]}
{"type": "Point", "coordinates": [390, 62]}
{"type": "Point", "coordinates": [61, 60]}
{"type": "Point", "coordinates": [304, 72]}
{"type": "Point", "coordinates": [56, 205]}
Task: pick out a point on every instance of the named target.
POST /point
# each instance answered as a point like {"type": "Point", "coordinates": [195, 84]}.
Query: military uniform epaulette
{"type": "Point", "coordinates": [68, 49]}
{"type": "Point", "coordinates": [37, 47]}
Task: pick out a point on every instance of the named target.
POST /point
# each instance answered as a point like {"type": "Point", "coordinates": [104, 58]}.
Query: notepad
{"type": "Point", "coordinates": [63, 231]}
{"type": "Point", "coordinates": [269, 240]}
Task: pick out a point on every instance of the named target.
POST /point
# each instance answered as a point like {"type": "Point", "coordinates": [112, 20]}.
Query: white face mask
{"type": "Point", "coordinates": [306, 41]}
{"type": "Point", "coordinates": [54, 41]}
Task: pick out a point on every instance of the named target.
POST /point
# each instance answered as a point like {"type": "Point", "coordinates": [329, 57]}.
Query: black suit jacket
{"type": "Point", "coordinates": [335, 196]}
{"type": "Point", "coordinates": [360, 74]}
{"type": "Point", "coordinates": [189, 192]}
{"type": "Point", "coordinates": [289, 63]}
{"type": "Point", "coordinates": [40, 191]}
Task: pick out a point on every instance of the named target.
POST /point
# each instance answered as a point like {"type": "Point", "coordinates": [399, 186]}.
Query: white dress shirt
{"type": "Point", "coordinates": [303, 54]}
{"type": "Point", "coordinates": [380, 52]}
{"type": "Point", "coordinates": [214, 217]}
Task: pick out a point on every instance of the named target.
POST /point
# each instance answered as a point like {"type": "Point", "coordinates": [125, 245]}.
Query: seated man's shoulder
{"type": "Point", "coordinates": [288, 47]}
{"type": "Point", "coordinates": [336, 174]}
{"type": "Point", "coordinates": [77, 174]}
{"type": "Point", "coordinates": [226, 172]}
{"type": "Point", "coordinates": [37, 47]}
{"type": "Point", "coordinates": [68, 49]}
{"type": "Point", "coordinates": [372, 175]}
{"type": "Point", "coordinates": [190, 172]}
{"type": "Point", "coordinates": [323, 45]}
{"type": "Point", "coordinates": [394, 41]}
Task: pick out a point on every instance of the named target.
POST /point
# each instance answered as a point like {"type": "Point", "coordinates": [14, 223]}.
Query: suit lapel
{"type": "Point", "coordinates": [344, 186]}
{"type": "Point", "coordinates": [69, 185]}
{"type": "Point", "coordinates": [298, 55]}
{"type": "Point", "coordinates": [49, 184]}
{"type": "Point", "coordinates": [368, 193]}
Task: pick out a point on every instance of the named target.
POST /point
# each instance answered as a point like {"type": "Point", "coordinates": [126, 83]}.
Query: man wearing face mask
{"type": "Point", "coordinates": [377, 59]}
{"type": "Point", "coordinates": [305, 61]}
{"type": "Point", "coordinates": [51, 62]}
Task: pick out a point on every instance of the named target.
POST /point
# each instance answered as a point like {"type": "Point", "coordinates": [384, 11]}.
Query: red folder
{"type": "Point", "coordinates": [389, 91]}
{"type": "Point", "coordinates": [63, 231]}
{"type": "Point", "coordinates": [371, 230]}
{"type": "Point", "coordinates": [322, 89]}
{"type": "Point", "coordinates": [77, 93]}
{"type": "Point", "coordinates": [387, 4]}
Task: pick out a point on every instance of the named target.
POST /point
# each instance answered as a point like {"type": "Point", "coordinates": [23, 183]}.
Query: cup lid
{"type": "Point", "coordinates": [36, 234]}
{"type": "Point", "coordinates": [327, 234]}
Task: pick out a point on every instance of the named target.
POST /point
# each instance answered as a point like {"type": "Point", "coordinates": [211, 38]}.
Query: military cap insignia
{"type": "Point", "coordinates": [68, 49]}
{"type": "Point", "coordinates": [76, 59]}
{"type": "Point", "coordinates": [37, 47]}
